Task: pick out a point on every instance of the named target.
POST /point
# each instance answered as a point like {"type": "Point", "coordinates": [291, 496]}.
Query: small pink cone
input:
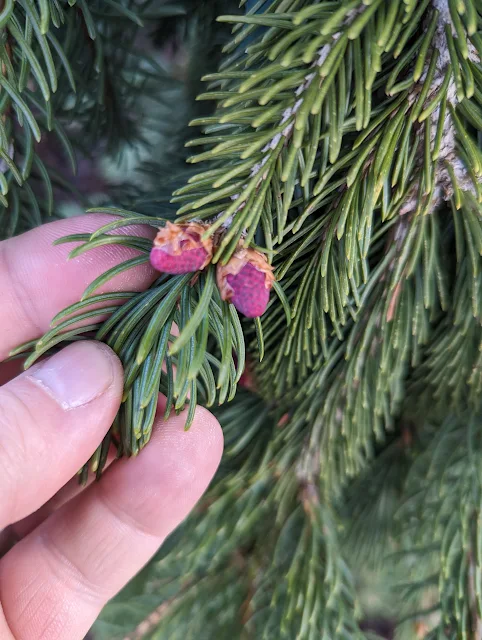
{"type": "Point", "coordinates": [246, 281]}
{"type": "Point", "coordinates": [180, 249]}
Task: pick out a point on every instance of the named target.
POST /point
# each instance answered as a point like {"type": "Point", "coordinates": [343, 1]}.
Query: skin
{"type": "Point", "coordinates": [75, 549]}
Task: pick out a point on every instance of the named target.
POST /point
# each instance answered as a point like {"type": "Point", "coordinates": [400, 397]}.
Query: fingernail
{"type": "Point", "coordinates": [77, 375]}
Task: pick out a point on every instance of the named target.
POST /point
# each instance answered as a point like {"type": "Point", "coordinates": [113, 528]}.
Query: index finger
{"type": "Point", "coordinates": [37, 280]}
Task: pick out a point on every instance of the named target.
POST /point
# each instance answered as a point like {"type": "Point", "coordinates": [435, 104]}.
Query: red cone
{"type": "Point", "coordinates": [180, 249]}
{"type": "Point", "coordinates": [246, 281]}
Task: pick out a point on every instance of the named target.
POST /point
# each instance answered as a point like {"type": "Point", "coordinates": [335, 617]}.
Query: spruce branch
{"type": "Point", "coordinates": [142, 332]}
{"type": "Point", "coordinates": [293, 117]}
{"type": "Point", "coordinates": [446, 507]}
{"type": "Point", "coordinates": [312, 589]}
{"type": "Point", "coordinates": [450, 81]}
{"type": "Point", "coordinates": [287, 118]}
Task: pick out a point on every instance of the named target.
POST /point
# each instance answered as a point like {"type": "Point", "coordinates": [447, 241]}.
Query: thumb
{"type": "Point", "coordinates": [52, 418]}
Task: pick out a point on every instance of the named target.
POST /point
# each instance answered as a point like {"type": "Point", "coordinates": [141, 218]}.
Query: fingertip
{"type": "Point", "coordinates": [201, 445]}
{"type": "Point", "coordinates": [211, 429]}
{"type": "Point", "coordinates": [205, 428]}
{"type": "Point", "coordinates": [164, 482]}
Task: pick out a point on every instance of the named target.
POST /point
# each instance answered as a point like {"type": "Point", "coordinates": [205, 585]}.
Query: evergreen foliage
{"type": "Point", "coordinates": [342, 140]}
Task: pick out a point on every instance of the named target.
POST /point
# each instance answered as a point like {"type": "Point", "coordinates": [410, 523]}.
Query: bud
{"type": "Point", "coordinates": [179, 248]}
{"type": "Point", "coordinates": [246, 281]}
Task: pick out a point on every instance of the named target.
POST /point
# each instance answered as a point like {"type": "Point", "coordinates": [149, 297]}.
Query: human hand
{"type": "Point", "coordinates": [77, 548]}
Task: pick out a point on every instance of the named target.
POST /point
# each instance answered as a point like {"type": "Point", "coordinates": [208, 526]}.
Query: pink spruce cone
{"type": "Point", "coordinates": [179, 248]}
{"type": "Point", "coordinates": [246, 281]}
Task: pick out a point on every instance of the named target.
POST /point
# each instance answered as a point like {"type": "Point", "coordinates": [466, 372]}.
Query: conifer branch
{"type": "Point", "coordinates": [448, 165]}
